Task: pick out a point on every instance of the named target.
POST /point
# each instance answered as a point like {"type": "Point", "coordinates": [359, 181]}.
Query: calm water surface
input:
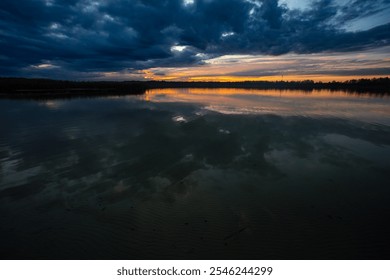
{"type": "Point", "coordinates": [196, 174]}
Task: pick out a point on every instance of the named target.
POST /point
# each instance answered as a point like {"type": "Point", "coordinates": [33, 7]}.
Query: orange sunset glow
{"type": "Point", "coordinates": [316, 78]}
{"type": "Point", "coordinates": [323, 67]}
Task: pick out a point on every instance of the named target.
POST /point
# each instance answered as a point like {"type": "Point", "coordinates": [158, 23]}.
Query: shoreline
{"type": "Point", "coordinates": [22, 88]}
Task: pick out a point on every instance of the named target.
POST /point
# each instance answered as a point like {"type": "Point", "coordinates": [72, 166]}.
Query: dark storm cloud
{"type": "Point", "coordinates": [115, 35]}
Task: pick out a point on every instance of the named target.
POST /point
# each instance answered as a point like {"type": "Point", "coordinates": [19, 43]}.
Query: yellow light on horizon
{"type": "Point", "coordinates": [292, 78]}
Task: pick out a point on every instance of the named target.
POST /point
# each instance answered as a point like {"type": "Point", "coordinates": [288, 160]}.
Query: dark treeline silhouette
{"type": "Point", "coordinates": [376, 85]}
{"type": "Point", "coordinates": [45, 88]}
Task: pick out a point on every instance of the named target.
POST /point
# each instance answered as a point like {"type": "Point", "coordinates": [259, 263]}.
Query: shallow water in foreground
{"type": "Point", "coordinates": [196, 174]}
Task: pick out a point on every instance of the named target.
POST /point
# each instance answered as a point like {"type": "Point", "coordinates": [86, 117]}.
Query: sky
{"type": "Point", "coordinates": [195, 40]}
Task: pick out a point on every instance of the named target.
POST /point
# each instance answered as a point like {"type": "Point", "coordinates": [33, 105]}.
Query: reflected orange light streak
{"type": "Point", "coordinates": [204, 93]}
{"type": "Point", "coordinates": [282, 102]}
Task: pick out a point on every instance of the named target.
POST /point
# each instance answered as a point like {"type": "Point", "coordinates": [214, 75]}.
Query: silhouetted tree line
{"type": "Point", "coordinates": [376, 85]}
{"type": "Point", "coordinates": [45, 88]}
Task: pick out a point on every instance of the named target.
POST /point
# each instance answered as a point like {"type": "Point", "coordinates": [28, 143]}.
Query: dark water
{"type": "Point", "coordinates": [196, 174]}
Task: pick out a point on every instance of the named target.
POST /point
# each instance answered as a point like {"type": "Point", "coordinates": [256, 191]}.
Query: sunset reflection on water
{"type": "Point", "coordinates": [196, 174]}
{"type": "Point", "coordinates": [317, 103]}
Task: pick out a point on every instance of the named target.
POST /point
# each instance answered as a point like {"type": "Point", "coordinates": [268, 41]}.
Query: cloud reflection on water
{"type": "Point", "coordinates": [133, 177]}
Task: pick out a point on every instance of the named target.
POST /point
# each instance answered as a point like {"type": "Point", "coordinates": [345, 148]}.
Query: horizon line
{"type": "Point", "coordinates": [200, 81]}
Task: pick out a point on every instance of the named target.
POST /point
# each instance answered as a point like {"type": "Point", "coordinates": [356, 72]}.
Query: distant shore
{"type": "Point", "coordinates": [19, 88]}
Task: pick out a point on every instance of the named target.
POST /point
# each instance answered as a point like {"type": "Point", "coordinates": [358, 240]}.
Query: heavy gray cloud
{"type": "Point", "coordinates": [58, 37]}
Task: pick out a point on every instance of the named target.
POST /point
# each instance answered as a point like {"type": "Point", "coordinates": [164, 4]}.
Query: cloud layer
{"type": "Point", "coordinates": [84, 38]}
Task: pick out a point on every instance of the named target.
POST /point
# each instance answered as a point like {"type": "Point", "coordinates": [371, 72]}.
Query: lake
{"type": "Point", "coordinates": [196, 174]}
